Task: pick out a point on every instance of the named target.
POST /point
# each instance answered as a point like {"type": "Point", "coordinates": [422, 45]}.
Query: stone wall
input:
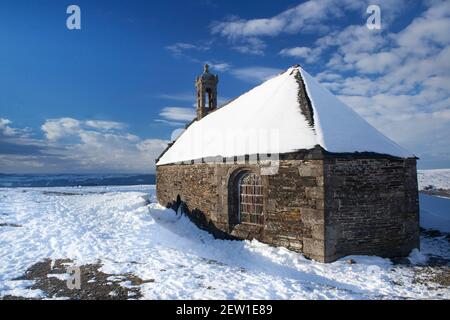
{"type": "Point", "coordinates": [371, 207]}
{"type": "Point", "coordinates": [294, 202]}
{"type": "Point", "coordinates": [295, 207]}
{"type": "Point", "coordinates": [326, 208]}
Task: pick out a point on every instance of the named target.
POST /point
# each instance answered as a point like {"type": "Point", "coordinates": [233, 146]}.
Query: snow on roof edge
{"type": "Point", "coordinates": [396, 149]}
{"type": "Point", "coordinates": [386, 146]}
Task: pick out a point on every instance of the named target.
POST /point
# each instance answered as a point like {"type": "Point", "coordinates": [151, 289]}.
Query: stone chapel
{"type": "Point", "coordinates": [289, 164]}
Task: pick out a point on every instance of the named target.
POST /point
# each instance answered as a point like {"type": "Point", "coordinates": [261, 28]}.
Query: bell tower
{"type": "Point", "coordinates": [206, 85]}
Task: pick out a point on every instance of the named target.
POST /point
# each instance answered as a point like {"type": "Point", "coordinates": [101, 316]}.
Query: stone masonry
{"type": "Point", "coordinates": [325, 206]}
{"type": "Point", "coordinates": [371, 207]}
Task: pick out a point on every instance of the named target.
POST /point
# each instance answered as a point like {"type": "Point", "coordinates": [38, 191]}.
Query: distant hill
{"type": "Point", "coordinates": [73, 180]}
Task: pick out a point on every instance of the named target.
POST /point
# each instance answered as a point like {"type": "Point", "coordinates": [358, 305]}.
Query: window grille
{"type": "Point", "coordinates": [251, 199]}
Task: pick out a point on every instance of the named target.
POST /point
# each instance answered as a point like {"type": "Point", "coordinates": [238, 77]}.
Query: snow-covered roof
{"type": "Point", "coordinates": [269, 119]}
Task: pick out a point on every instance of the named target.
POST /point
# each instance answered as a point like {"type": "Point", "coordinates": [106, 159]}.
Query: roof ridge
{"type": "Point", "coordinates": [303, 99]}
{"type": "Point", "coordinates": [295, 110]}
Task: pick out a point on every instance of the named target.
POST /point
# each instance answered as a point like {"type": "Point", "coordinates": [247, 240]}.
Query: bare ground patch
{"type": "Point", "coordinates": [436, 273]}
{"type": "Point", "coordinates": [14, 225]}
{"type": "Point", "coordinates": [95, 285]}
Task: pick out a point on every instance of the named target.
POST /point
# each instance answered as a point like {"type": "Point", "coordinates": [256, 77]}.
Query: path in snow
{"type": "Point", "coordinates": [117, 226]}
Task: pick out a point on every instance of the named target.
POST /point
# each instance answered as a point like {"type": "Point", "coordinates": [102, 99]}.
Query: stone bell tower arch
{"type": "Point", "coordinates": [206, 85]}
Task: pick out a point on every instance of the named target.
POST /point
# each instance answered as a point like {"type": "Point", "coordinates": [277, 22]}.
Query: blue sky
{"type": "Point", "coordinates": [107, 98]}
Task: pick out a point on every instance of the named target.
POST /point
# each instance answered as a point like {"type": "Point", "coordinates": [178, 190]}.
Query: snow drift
{"type": "Point", "coordinates": [117, 226]}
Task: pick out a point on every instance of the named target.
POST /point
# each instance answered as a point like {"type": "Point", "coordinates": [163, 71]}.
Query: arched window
{"type": "Point", "coordinates": [251, 199]}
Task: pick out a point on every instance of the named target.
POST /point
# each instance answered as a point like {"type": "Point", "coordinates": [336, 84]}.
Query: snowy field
{"type": "Point", "coordinates": [127, 232]}
{"type": "Point", "coordinates": [438, 178]}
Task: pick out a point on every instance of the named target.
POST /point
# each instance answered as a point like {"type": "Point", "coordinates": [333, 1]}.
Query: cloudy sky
{"type": "Point", "coordinates": [108, 97]}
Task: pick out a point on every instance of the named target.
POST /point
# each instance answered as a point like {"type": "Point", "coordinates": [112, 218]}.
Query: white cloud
{"type": "Point", "coordinates": [399, 81]}
{"type": "Point", "coordinates": [179, 48]}
{"type": "Point", "coordinates": [5, 128]}
{"type": "Point", "coordinates": [176, 133]}
{"type": "Point", "coordinates": [296, 52]}
{"type": "Point", "coordinates": [184, 96]}
{"type": "Point", "coordinates": [21, 164]}
{"type": "Point", "coordinates": [250, 45]}
{"type": "Point", "coordinates": [72, 145]}
{"type": "Point", "coordinates": [429, 29]}
{"type": "Point", "coordinates": [170, 123]}
{"type": "Point", "coordinates": [308, 54]}
{"type": "Point", "coordinates": [178, 114]}
{"type": "Point", "coordinates": [425, 133]}
{"type": "Point", "coordinates": [110, 151]}
{"type": "Point", "coordinates": [104, 125]}
{"type": "Point", "coordinates": [304, 16]}
{"type": "Point", "coordinates": [55, 129]}
{"type": "Point", "coordinates": [255, 74]}
{"type": "Point", "coordinates": [218, 66]}
{"type": "Point", "coordinates": [151, 146]}
{"type": "Point", "coordinates": [328, 76]}
{"type": "Point", "coordinates": [351, 44]}
{"type": "Point", "coordinates": [377, 62]}
{"type": "Point", "coordinates": [313, 16]}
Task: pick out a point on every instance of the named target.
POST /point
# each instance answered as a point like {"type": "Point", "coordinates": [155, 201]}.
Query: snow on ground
{"type": "Point", "coordinates": [120, 228]}
{"type": "Point", "coordinates": [438, 178]}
